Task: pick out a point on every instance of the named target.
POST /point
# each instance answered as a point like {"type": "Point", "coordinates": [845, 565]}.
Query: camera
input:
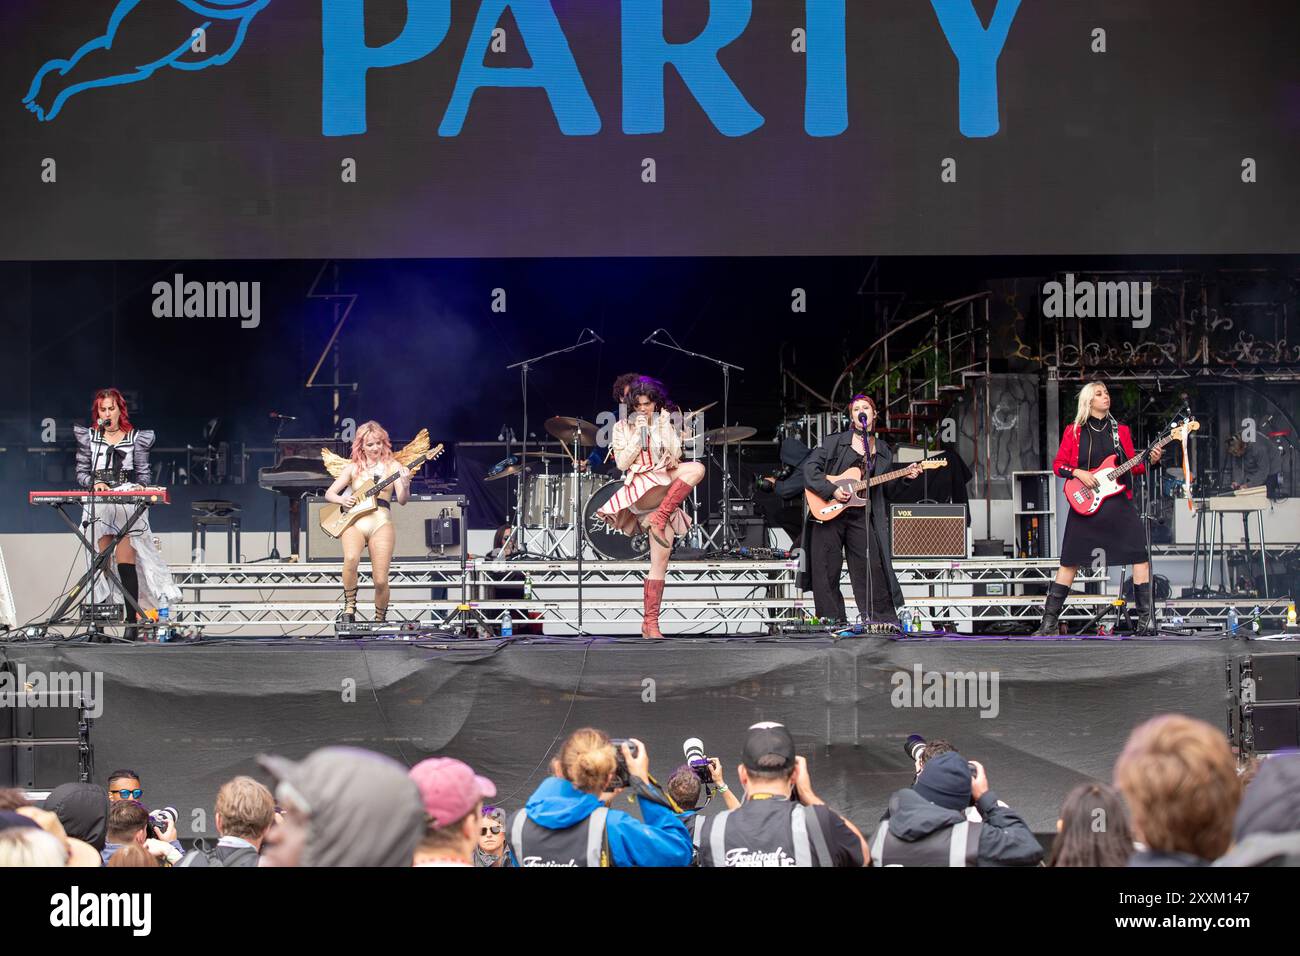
{"type": "Point", "coordinates": [913, 746]}
{"type": "Point", "coordinates": [693, 748]}
{"type": "Point", "coordinates": [621, 775]}
{"type": "Point", "coordinates": [161, 820]}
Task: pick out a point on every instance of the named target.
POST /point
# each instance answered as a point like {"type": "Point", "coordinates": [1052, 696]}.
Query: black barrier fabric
{"type": "Point", "coordinates": [189, 717]}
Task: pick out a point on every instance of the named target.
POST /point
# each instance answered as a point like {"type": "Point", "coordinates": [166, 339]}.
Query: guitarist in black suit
{"type": "Point", "coordinates": [829, 541]}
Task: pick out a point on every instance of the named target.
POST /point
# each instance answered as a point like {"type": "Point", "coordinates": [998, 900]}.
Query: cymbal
{"type": "Point", "coordinates": [504, 473]}
{"type": "Point", "coordinates": [727, 435]}
{"type": "Point", "coordinates": [700, 411]}
{"type": "Point", "coordinates": [505, 468]}
{"type": "Point", "coordinates": [567, 429]}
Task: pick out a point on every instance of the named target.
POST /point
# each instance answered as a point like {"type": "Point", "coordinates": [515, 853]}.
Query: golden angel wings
{"type": "Point", "coordinates": [416, 447]}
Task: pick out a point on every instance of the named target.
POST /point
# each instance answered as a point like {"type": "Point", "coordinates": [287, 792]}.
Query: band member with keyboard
{"type": "Point", "coordinates": [647, 447]}
{"type": "Point", "coordinates": [372, 460]}
{"type": "Point", "coordinates": [1114, 532]}
{"type": "Point", "coordinates": [830, 541]}
{"type": "Point", "coordinates": [113, 455]}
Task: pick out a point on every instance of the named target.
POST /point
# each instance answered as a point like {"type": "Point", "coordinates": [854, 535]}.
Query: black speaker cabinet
{"type": "Point", "coordinates": [1274, 727]}
{"type": "Point", "coordinates": [414, 541]}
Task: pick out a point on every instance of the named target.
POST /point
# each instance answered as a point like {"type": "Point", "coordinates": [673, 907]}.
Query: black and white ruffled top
{"type": "Point", "coordinates": [127, 461]}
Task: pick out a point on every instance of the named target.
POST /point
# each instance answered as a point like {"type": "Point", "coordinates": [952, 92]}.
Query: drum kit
{"type": "Point", "coordinates": [558, 497]}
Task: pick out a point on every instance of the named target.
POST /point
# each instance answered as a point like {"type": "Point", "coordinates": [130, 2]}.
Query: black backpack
{"type": "Point", "coordinates": [210, 854]}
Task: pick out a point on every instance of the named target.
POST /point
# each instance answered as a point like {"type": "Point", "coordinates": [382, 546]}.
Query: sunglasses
{"type": "Point", "coordinates": [129, 794]}
{"type": "Point", "coordinates": [494, 830]}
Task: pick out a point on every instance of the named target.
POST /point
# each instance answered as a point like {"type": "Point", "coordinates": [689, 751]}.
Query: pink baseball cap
{"type": "Point", "coordinates": [449, 789]}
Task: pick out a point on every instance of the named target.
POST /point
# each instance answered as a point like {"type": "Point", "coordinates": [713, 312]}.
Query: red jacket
{"type": "Point", "coordinates": [1067, 457]}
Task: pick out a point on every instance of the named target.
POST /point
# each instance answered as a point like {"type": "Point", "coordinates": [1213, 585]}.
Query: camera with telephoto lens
{"type": "Point", "coordinates": [693, 748]}
{"type": "Point", "coordinates": [161, 820]}
{"type": "Point", "coordinates": [915, 744]}
{"type": "Point", "coordinates": [621, 775]}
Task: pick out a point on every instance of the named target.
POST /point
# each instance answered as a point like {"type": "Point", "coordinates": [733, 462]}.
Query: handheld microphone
{"type": "Point", "coordinates": [645, 437]}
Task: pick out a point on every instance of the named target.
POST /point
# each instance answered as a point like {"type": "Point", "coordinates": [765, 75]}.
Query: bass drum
{"type": "Point", "coordinates": [604, 540]}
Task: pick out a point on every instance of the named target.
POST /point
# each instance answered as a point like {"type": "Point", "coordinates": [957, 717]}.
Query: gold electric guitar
{"type": "Point", "coordinates": [335, 519]}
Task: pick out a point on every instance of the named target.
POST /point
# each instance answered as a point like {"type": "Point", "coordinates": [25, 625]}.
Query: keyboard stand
{"type": "Point", "coordinates": [100, 564]}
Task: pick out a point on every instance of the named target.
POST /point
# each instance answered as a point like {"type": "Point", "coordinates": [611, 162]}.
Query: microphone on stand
{"type": "Point", "coordinates": [592, 333]}
{"type": "Point", "coordinates": [286, 418]}
{"type": "Point", "coordinates": [646, 340]}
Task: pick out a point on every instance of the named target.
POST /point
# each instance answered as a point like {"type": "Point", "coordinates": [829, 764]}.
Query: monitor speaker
{"type": "Point", "coordinates": [417, 539]}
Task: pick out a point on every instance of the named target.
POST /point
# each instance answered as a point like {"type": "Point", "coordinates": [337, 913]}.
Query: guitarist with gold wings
{"type": "Point", "coordinates": [844, 531]}
{"type": "Point", "coordinates": [363, 519]}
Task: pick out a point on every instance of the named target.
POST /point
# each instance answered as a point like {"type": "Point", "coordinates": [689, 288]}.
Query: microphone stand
{"type": "Point", "coordinates": [523, 367]}
{"type": "Point", "coordinates": [275, 507]}
{"type": "Point", "coordinates": [727, 539]}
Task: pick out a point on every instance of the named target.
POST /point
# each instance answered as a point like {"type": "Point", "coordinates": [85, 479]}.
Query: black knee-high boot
{"type": "Point", "coordinates": [131, 585]}
{"type": "Point", "coordinates": [1146, 609]}
{"type": "Point", "coordinates": [1052, 607]}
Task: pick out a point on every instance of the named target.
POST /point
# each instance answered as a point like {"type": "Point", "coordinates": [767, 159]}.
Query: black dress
{"type": "Point", "coordinates": [1114, 531]}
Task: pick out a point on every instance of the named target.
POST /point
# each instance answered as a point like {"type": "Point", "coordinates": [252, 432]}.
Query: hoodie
{"type": "Point", "coordinates": [1005, 838]}
{"type": "Point", "coordinates": [661, 840]}
{"type": "Point", "coordinates": [1267, 828]}
{"type": "Point", "coordinates": [82, 808]}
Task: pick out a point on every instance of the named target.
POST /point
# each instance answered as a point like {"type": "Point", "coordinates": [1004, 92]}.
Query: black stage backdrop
{"type": "Point", "coordinates": [239, 150]}
{"type": "Point", "coordinates": [190, 717]}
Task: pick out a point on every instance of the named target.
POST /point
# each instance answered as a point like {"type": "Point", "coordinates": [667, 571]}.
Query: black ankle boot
{"type": "Point", "coordinates": [1052, 607]}
{"type": "Point", "coordinates": [131, 586]}
{"type": "Point", "coordinates": [1146, 609]}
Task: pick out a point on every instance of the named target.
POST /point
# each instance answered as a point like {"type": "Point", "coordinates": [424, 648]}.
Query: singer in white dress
{"type": "Point", "coordinates": [113, 455]}
{"type": "Point", "coordinates": [647, 446]}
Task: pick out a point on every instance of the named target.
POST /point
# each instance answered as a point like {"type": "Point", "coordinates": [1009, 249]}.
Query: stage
{"type": "Point", "coordinates": [1042, 715]}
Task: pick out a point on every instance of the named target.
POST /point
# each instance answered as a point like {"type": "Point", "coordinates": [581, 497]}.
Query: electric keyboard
{"type": "Point", "coordinates": [152, 496]}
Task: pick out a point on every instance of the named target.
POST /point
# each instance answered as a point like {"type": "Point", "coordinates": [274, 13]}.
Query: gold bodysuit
{"type": "Point", "coordinates": [369, 524]}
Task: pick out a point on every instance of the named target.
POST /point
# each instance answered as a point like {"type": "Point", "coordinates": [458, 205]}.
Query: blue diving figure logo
{"type": "Point", "coordinates": [108, 59]}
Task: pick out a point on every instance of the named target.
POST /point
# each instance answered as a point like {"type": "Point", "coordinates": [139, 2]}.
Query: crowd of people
{"type": "Point", "coordinates": [1177, 798]}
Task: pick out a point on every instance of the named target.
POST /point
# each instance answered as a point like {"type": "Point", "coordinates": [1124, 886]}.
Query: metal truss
{"type": "Point", "coordinates": [702, 596]}
{"type": "Point", "coordinates": [989, 571]}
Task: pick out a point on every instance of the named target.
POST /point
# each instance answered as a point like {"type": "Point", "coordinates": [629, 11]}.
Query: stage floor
{"type": "Point", "coordinates": [1042, 715]}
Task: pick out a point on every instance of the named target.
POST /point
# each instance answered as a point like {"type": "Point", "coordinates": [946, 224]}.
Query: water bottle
{"type": "Point", "coordinates": [905, 620]}
{"type": "Point", "coordinates": [1233, 620]}
{"type": "Point", "coordinates": [164, 623]}
{"type": "Point", "coordinates": [507, 624]}
{"type": "Point", "coordinates": [1254, 620]}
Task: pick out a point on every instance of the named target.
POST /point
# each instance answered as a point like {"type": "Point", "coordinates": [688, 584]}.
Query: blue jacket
{"type": "Point", "coordinates": [661, 840]}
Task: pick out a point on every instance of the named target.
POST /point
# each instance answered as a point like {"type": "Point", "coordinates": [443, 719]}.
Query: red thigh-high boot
{"type": "Point", "coordinates": [654, 594]}
{"type": "Point", "coordinates": [678, 491]}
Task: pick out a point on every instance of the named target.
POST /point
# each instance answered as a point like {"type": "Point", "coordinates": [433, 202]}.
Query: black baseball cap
{"type": "Point", "coordinates": [768, 739]}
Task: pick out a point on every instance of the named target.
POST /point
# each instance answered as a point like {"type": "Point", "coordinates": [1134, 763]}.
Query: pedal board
{"type": "Point", "coordinates": [393, 631]}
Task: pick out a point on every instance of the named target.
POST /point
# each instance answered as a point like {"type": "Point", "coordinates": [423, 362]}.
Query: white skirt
{"type": "Point", "coordinates": [156, 582]}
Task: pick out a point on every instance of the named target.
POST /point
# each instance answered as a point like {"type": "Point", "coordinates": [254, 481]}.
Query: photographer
{"type": "Point", "coordinates": [128, 822]}
{"type": "Point", "coordinates": [926, 824]}
{"type": "Point", "coordinates": [782, 822]}
{"type": "Point", "coordinates": [567, 821]}
{"type": "Point", "coordinates": [684, 787]}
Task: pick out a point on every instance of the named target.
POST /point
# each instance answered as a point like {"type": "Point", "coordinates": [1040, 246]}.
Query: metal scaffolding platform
{"type": "Point", "coordinates": [707, 596]}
